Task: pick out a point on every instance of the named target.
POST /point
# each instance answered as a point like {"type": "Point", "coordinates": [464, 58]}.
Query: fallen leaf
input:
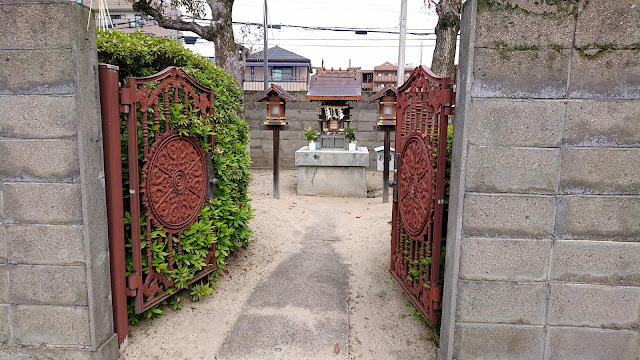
{"type": "Point", "coordinates": [336, 349]}
{"type": "Point", "coordinates": [357, 217]}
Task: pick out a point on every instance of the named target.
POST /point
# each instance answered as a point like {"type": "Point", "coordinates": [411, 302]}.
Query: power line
{"type": "Point", "coordinates": [325, 28]}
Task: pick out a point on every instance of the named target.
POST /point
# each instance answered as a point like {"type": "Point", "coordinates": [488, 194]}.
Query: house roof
{"type": "Point", "coordinates": [387, 90]}
{"type": "Point", "coordinates": [279, 92]}
{"type": "Point", "coordinates": [335, 86]}
{"type": "Point", "coordinates": [386, 66]}
{"type": "Point", "coordinates": [279, 54]}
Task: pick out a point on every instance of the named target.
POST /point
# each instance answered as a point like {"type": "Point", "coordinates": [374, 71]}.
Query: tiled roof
{"type": "Point", "coordinates": [332, 85]}
{"type": "Point", "coordinates": [277, 53]}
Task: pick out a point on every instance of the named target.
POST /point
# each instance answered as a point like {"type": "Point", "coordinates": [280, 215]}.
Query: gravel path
{"type": "Point", "coordinates": [284, 296]}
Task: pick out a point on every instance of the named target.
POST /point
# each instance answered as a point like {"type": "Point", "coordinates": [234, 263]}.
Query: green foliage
{"type": "Point", "coordinates": [223, 220]}
{"type": "Point", "coordinates": [349, 135]}
{"type": "Point", "coordinates": [310, 134]}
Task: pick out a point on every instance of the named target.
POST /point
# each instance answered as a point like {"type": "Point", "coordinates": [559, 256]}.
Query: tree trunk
{"type": "Point", "coordinates": [228, 53]}
{"type": "Point", "coordinates": [447, 29]}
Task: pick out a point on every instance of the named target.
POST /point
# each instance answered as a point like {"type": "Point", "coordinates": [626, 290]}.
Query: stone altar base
{"type": "Point", "coordinates": [332, 172]}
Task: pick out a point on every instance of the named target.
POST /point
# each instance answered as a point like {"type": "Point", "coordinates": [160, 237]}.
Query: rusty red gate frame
{"type": "Point", "coordinates": [174, 175]}
{"type": "Point", "coordinates": [424, 102]}
{"type": "Point", "coordinates": [177, 178]}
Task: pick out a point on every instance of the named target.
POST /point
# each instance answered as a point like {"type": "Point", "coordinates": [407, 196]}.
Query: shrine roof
{"type": "Point", "coordinates": [330, 85]}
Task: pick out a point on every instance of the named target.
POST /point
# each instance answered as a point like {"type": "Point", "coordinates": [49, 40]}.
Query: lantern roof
{"type": "Point", "coordinates": [386, 91]}
{"type": "Point", "coordinates": [278, 91]}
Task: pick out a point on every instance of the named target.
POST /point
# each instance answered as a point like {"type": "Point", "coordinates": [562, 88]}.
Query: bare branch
{"type": "Point", "coordinates": [204, 31]}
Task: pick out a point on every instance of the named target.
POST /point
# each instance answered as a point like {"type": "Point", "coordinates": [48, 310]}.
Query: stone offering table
{"type": "Point", "coordinates": [332, 172]}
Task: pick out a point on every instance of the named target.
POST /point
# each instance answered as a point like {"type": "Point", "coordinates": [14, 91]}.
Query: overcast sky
{"type": "Point", "coordinates": [336, 48]}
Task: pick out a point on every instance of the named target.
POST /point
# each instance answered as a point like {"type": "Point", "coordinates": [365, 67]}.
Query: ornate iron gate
{"type": "Point", "coordinates": [176, 172]}
{"type": "Point", "coordinates": [421, 134]}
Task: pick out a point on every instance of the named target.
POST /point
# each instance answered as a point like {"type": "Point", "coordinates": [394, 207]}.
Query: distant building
{"type": "Point", "coordinates": [123, 18]}
{"type": "Point", "coordinates": [286, 69]}
{"type": "Point", "coordinates": [381, 76]}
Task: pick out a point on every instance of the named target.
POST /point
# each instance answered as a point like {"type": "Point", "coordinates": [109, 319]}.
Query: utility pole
{"type": "Point", "coordinates": [265, 55]}
{"type": "Point", "coordinates": [403, 41]}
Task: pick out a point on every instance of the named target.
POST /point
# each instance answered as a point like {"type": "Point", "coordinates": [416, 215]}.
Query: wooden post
{"type": "Point", "coordinates": [276, 162]}
{"type": "Point", "coordinates": [385, 169]}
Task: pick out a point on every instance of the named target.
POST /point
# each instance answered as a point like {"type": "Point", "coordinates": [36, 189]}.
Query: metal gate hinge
{"type": "Point", "coordinates": [126, 96]}
{"type": "Point", "coordinates": [133, 283]}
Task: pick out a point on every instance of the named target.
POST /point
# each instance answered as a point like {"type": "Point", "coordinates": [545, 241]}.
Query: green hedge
{"type": "Point", "coordinates": [141, 54]}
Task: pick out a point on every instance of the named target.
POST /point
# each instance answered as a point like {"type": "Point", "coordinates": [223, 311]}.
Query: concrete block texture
{"type": "Point", "coordinates": [4, 284]}
{"type": "Point", "coordinates": [51, 203]}
{"type": "Point", "coordinates": [602, 123]}
{"type": "Point", "coordinates": [599, 22]}
{"type": "Point", "coordinates": [600, 171]}
{"type": "Point", "coordinates": [37, 117]}
{"type": "Point", "coordinates": [572, 343]}
{"type": "Point", "coordinates": [504, 259]}
{"type": "Point", "coordinates": [614, 307]}
{"type": "Point", "coordinates": [598, 217]}
{"type": "Point", "coordinates": [523, 24]}
{"type": "Point", "coordinates": [513, 216]}
{"type": "Point", "coordinates": [597, 262]}
{"type": "Point", "coordinates": [3, 241]}
{"type": "Point", "coordinates": [33, 18]}
{"type": "Point", "coordinates": [4, 324]}
{"type": "Point", "coordinates": [492, 341]}
{"type": "Point", "coordinates": [34, 160]}
{"type": "Point", "coordinates": [591, 74]}
{"type": "Point", "coordinates": [48, 285]}
{"type": "Point", "coordinates": [500, 73]}
{"type": "Point", "coordinates": [51, 325]}
{"type": "Point", "coordinates": [501, 302]}
{"type": "Point", "coordinates": [37, 72]}
{"type": "Point", "coordinates": [64, 244]}
{"type": "Point", "coordinates": [513, 170]}
{"type": "Point", "coordinates": [502, 122]}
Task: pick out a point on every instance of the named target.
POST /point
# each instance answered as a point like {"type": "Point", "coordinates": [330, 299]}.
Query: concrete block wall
{"type": "Point", "coordinates": [301, 115]}
{"type": "Point", "coordinates": [55, 291]}
{"type": "Point", "coordinates": [543, 247]}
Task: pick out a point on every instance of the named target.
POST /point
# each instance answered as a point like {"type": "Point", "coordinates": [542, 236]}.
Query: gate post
{"type": "Point", "coordinates": [55, 286]}
{"type": "Point", "coordinates": [110, 107]}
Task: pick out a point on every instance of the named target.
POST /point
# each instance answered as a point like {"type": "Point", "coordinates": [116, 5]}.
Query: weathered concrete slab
{"type": "Point", "coordinates": [616, 264]}
{"type": "Point", "coordinates": [332, 157]}
{"type": "Point", "coordinates": [492, 341]}
{"type": "Point", "coordinates": [504, 259]}
{"type": "Point", "coordinates": [330, 172]}
{"type": "Point", "coordinates": [300, 309]}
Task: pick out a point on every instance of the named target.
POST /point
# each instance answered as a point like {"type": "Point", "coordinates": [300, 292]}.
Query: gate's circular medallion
{"type": "Point", "coordinates": [416, 184]}
{"type": "Point", "coordinates": [176, 181]}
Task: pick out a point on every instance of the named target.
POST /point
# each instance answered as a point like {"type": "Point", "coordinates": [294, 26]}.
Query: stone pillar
{"type": "Point", "coordinates": [543, 246]}
{"type": "Point", "coordinates": [55, 293]}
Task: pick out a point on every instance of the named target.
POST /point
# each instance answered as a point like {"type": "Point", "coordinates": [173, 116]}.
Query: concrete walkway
{"type": "Point", "coordinates": [315, 276]}
{"type": "Point", "coordinates": [300, 309]}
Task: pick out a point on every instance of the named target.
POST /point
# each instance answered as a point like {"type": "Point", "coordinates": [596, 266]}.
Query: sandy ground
{"type": "Point", "coordinates": [380, 324]}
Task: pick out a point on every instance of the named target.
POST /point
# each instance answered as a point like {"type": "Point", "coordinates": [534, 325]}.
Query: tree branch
{"type": "Point", "coordinates": [205, 32]}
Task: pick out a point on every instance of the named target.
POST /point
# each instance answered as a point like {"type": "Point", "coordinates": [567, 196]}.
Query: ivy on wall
{"type": "Point", "coordinates": [140, 54]}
